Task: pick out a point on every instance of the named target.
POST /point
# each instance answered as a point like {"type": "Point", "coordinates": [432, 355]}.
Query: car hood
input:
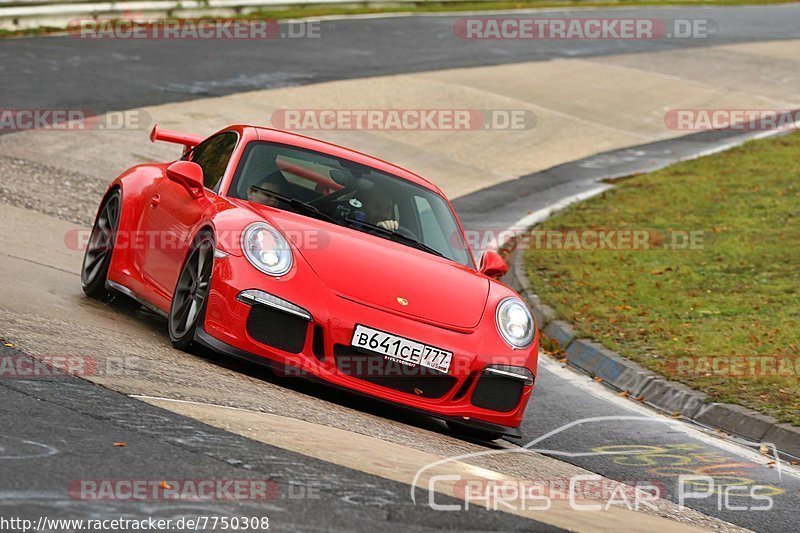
{"type": "Point", "coordinates": [385, 274]}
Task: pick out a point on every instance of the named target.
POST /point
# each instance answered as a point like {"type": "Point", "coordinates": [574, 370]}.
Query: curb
{"type": "Point", "coordinates": [640, 383]}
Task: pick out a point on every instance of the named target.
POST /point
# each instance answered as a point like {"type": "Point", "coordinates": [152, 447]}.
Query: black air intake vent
{"type": "Point", "coordinates": [277, 328]}
{"type": "Point", "coordinates": [497, 393]}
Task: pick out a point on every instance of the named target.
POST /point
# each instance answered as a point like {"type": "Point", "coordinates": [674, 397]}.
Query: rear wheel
{"type": "Point", "coordinates": [191, 291]}
{"type": "Point", "coordinates": [97, 257]}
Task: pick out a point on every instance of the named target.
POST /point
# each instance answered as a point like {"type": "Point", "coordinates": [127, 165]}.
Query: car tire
{"type": "Point", "coordinates": [97, 257]}
{"type": "Point", "coordinates": [188, 306]}
{"type": "Point", "coordinates": [472, 433]}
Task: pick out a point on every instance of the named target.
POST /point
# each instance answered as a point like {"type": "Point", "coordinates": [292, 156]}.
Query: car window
{"type": "Point", "coordinates": [213, 156]}
{"type": "Point", "coordinates": [350, 194]}
{"type": "Point", "coordinates": [429, 225]}
{"type": "Point", "coordinates": [292, 170]}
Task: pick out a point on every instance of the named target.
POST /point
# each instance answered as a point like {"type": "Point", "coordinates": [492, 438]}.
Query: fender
{"type": "Point", "coordinates": [133, 185]}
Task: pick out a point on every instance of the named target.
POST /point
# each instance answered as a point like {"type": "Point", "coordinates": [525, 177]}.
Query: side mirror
{"type": "Point", "coordinates": [188, 174]}
{"type": "Point", "coordinates": [493, 265]}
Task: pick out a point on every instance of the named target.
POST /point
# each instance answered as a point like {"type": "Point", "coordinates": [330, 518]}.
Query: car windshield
{"type": "Point", "coordinates": [349, 194]}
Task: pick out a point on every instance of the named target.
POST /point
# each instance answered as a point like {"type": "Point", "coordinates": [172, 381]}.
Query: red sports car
{"type": "Point", "coordinates": [323, 262]}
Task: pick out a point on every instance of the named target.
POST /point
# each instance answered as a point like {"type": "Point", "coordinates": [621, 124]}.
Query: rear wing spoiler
{"type": "Point", "coordinates": [186, 139]}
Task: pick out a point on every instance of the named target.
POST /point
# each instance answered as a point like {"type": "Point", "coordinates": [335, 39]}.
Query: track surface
{"type": "Point", "coordinates": [654, 448]}
{"type": "Point", "coordinates": [107, 75]}
{"type": "Point", "coordinates": [63, 433]}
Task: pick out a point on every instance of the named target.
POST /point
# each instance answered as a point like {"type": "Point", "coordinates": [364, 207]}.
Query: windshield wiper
{"type": "Point", "coordinates": [297, 204]}
{"type": "Point", "coordinates": [398, 237]}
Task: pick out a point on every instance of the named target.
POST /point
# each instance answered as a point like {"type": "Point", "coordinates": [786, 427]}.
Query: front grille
{"type": "Point", "coordinates": [464, 388]}
{"type": "Point", "coordinates": [277, 328]}
{"type": "Point", "coordinates": [497, 393]}
{"type": "Point", "coordinates": [375, 368]}
{"type": "Point", "coordinates": [318, 344]}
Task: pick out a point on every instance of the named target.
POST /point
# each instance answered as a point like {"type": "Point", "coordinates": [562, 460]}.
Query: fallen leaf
{"type": "Point", "coordinates": [120, 444]}
{"type": "Point", "coordinates": [639, 398]}
{"type": "Point", "coordinates": [166, 486]}
{"type": "Point", "coordinates": [676, 414]}
{"type": "Point", "coordinates": [624, 393]}
{"type": "Point", "coordinates": [763, 449]}
{"type": "Point", "coordinates": [598, 379]}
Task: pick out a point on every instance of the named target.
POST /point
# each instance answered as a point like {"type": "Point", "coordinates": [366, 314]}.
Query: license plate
{"type": "Point", "coordinates": [401, 349]}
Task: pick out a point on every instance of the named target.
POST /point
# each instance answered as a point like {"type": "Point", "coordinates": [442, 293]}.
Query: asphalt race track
{"type": "Point", "coordinates": [157, 440]}
{"type": "Point", "coordinates": [71, 72]}
{"type": "Point", "coordinates": [61, 414]}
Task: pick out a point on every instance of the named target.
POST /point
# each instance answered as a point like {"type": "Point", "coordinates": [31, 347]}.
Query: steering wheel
{"type": "Point", "coordinates": [405, 232]}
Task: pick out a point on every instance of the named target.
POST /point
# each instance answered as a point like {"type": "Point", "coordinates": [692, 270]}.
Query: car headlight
{"type": "Point", "coordinates": [266, 249]}
{"type": "Point", "coordinates": [515, 323]}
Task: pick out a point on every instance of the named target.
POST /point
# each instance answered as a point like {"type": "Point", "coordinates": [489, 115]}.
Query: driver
{"type": "Point", "coordinates": [379, 209]}
{"type": "Point", "coordinates": [254, 195]}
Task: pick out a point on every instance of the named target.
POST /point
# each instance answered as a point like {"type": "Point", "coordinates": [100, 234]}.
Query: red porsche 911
{"type": "Point", "coordinates": [319, 260]}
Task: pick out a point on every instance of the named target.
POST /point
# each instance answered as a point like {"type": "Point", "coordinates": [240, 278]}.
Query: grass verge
{"type": "Point", "coordinates": [722, 314]}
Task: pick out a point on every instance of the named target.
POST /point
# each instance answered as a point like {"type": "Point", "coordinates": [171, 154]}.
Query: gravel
{"type": "Point", "coordinates": [56, 192]}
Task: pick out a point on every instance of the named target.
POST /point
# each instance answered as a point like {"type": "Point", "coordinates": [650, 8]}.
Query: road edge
{"type": "Point", "coordinates": [647, 386]}
{"type": "Point", "coordinates": [626, 376]}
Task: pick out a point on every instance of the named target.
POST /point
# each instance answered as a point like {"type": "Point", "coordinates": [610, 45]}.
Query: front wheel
{"type": "Point", "coordinates": [97, 258]}
{"type": "Point", "coordinates": [191, 291]}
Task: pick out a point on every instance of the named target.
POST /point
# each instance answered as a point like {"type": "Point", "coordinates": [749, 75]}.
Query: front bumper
{"type": "Point", "coordinates": [316, 347]}
{"type": "Point", "coordinates": [202, 337]}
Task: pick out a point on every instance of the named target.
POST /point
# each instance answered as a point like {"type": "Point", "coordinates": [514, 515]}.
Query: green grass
{"type": "Point", "coordinates": [737, 294]}
{"type": "Point", "coordinates": [355, 8]}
